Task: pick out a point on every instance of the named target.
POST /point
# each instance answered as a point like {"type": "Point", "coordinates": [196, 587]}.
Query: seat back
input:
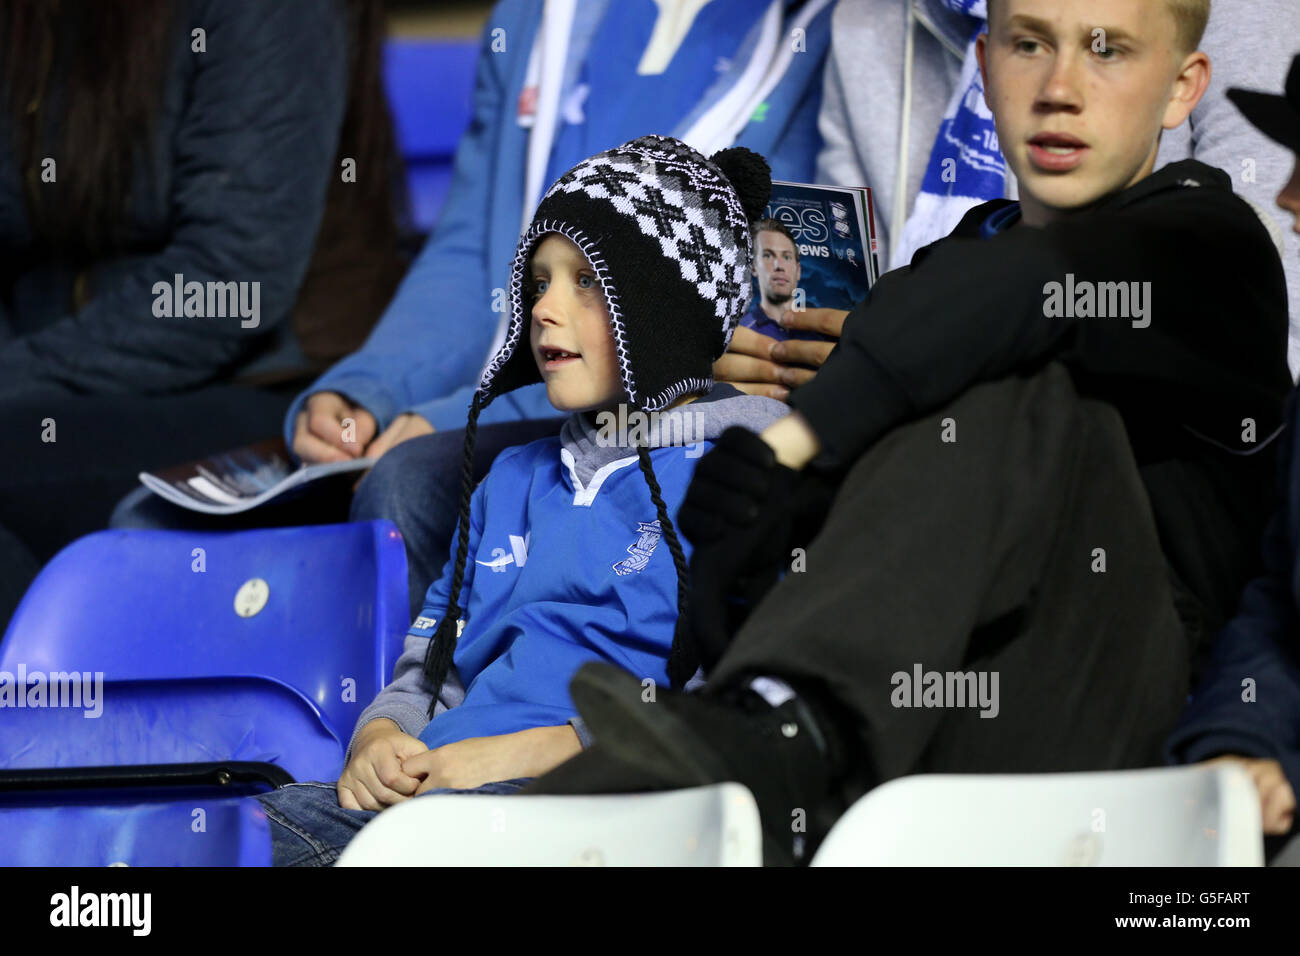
{"type": "Point", "coordinates": [203, 828]}
{"type": "Point", "coordinates": [147, 647]}
{"type": "Point", "coordinates": [430, 85]}
{"type": "Point", "coordinates": [703, 826]}
{"type": "Point", "coordinates": [1179, 816]}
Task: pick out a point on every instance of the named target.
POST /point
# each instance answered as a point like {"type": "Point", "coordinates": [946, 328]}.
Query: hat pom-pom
{"type": "Point", "coordinates": [750, 175]}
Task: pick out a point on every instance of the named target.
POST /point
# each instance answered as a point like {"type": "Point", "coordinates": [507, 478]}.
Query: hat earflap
{"type": "Point", "coordinates": [442, 646]}
{"type": "Point", "coordinates": [683, 662]}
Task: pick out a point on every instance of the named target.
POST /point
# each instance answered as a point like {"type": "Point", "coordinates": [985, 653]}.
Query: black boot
{"type": "Point", "coordinates": [791, 757]}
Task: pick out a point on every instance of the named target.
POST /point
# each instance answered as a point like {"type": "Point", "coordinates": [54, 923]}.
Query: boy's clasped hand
{"type": "Point", "coordinates": [388, 765]}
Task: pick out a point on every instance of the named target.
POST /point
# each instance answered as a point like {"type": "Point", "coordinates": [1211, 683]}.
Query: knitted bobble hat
{"type": "Point", "coordinates": [667, 233]}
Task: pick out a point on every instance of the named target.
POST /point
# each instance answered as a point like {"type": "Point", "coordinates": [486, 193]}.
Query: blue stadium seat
{"type": "Point", "coordinates": [203, 829]}
{"type": "Point", "coordinates": [430, 86]}
{"type": "Point", "coordinates": [186, 677]}
{"type": "Point", "coordinates": [178, 647]}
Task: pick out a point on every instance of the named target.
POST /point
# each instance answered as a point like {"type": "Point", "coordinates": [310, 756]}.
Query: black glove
{"type": "Point", "coordinates": [739, 513]}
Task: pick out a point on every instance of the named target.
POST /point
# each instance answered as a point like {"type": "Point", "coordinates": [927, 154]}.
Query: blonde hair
{"type": "Point", "coordinates": [1190, 19]}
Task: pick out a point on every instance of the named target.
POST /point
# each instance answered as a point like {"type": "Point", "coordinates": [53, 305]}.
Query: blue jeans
{"type": "Point", "coordinates": [309, 828]}
{"type": "Point", "coordinates": [61, 490]}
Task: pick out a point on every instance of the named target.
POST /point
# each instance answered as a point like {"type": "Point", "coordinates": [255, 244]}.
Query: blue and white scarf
{"type": "Point", "coordinates": [966, 166]}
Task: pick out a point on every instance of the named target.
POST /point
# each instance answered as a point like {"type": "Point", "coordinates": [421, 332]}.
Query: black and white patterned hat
{"type": "Point", "coordinates": [667, 233]}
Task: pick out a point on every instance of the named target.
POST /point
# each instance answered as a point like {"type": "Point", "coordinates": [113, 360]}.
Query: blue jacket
{"type": "Point", "coordinates": [1257, 654]}
{"type": "Point", "coordinates": [243, 150]}
{"type": "Point", "coordinates": [427, 351]}
{"type": "Point", "coordinates": [566, 565]}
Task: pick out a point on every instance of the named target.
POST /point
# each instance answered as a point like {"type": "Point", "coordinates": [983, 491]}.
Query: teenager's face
{"type": "Point", "coordinates": [1289, 197]}
{"type": "Point", "coordinates": [776, 263]}
{"type": "Point", "coordinates": [571, 338]}
{"type": "Point", "coordinates": [1080, 90]}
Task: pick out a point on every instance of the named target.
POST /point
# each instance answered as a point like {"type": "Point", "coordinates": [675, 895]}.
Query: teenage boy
{"type": "Point", "coordinates": [1248, 709]}
{"type": "Point", "coordinates": [933, 153]}
{"type": "Point", "coordinates": [1045, 492]}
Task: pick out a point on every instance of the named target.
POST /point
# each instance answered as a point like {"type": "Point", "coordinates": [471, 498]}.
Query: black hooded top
{"type": "Point", "coordinates": [1208, 359]}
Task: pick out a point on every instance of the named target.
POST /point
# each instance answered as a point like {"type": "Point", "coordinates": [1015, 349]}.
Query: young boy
{"type": "Point", "coordinates": [1052, 477]}
{"type": "Point", "coordinates": [623, 292]}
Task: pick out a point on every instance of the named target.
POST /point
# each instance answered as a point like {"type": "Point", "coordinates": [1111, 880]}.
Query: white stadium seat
{"type": "Point", "coordinates": [1181, 816]}
{"type": "Point", "coordinates": [703, 826]}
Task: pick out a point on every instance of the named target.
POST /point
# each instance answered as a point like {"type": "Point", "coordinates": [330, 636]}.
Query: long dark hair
{"type": "Point", "coordinates": [95, 120]}
{"type": "Point", "coordinates": [367, 133]}
{"type": "Point", "coordinates": [84, 80]}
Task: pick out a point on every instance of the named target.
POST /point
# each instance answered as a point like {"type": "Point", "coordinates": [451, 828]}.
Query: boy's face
{"type": "Point", "coordinates": [570, 334]}
{"type": "Point", "coordinates": [1080, 90]}
{"type": "Point", "coordinates": [776, 263]}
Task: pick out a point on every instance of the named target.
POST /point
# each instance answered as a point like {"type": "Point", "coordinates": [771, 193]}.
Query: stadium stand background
{"type": "Point", "coordinates": [429, 59]}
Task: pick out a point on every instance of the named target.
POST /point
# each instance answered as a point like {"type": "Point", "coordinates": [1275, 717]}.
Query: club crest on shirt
{"type": "Point", "coordinates": [648, 534]}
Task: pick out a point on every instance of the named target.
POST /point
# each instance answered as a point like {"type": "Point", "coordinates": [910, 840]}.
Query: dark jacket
{"type": "Point", "coordinates": [243, 151]}
{"type": "Point", "coordinates": [971, 309]}
{"type": "Point", "coordinates": [1249, 703]}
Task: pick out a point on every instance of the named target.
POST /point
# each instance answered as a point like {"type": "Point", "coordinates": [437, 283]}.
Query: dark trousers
{"type": "Point", "coordinates": [52, 492]}
{"type": "Point", "coordinates": [981, 555]}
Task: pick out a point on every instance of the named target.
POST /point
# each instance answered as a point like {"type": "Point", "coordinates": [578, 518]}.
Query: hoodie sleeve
{"type": "Point", "coordinates": [970, 310]}
{"type": "Point", "coordinates": [405, 701]}
{"type": "Point", "coordinates": [251, 161]}
{"type": "Point", "coordinates": [1248, 703]}
{"type": "Point", "coordinates": [840, 161]}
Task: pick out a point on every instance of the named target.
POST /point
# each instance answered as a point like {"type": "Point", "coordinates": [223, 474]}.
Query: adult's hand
{"type": "Point", "coordinates": [331, 428]}
{"type": "Point", "coordinates": [406, 426]}
{"type": "Point", "coordinates": [1277, 802]}
{"type": "Point", "coordinates": [811, 353]}
{"type": "Point", "coordinates": [747, 364]}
